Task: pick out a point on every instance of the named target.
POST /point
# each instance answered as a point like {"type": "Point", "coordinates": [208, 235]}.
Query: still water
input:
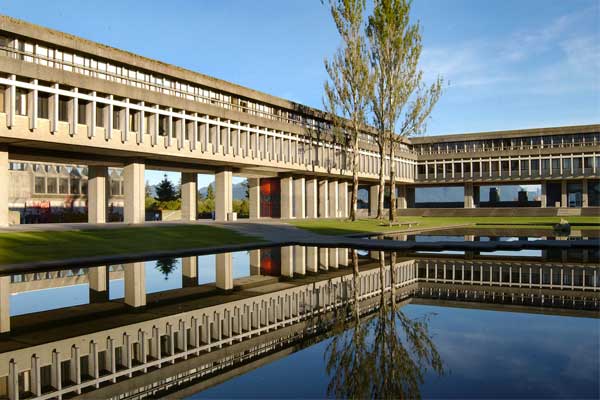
{"type": "Point", "coordinates": [307, 322]}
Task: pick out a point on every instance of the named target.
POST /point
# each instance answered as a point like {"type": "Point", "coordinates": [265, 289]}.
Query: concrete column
{"type": "Point", "coordinates": [286, 197]}
{"type": "Point", "coordinates": [10, 103]}
{"type": "Point", "coordinates": [544, 195]}
{"type": "Point", "coordinates": [135, 193]}
{"type": "Point", "coordinates": [343, 200]}
{"type": "Point", "coordinates": [254, 197]}
{"type": "Point", "coordinates": [333, 199]}
{"type": "Point", "coordinates": [324, 258]}
{"type": "Point", "coordinates": [98, 283]}
{"type": "Point", "coordinates": [311, 198]}
{"type": "Point", "coordinates": [135, 284]}
{"type": "Point", "coordinates": [223, 195]}
{"type": "Point", "coordinates": [563, 194]}
{"type": "Point", "coordinates": [300, 260]}
{"type": "Point", "coordinates": [373, 195]}
{"type": "Point", "coordinates": [189, 271]}
{"type": "Point", "coordinates": [312, 259]}
{"type": "Point", "coordinates": [300, 198]}
{"type": "Point", "coordinates": [224, 266]}
{"type": "Point", "coordinates": [469, 203]}
{"type": "Point", "coordinates": [189, 193]}
{"type": "Point", "coordinates": [5, 303]}
{"type": "Point", "coordinates": [402, 202]}
{"type": "Point", "coordinates": [333, 258]}
{"type": "Point", "coordinates": [4, 182]}
{"type": "Point", "coordinates": [323, 199]}
{"type": "Point", "coordinates": [97, 194]}
{"type": "Point", "coordinates": [584, 193]}
{"type": "Point", "coordinates": [343, 257]}
{"type": "Point", "coordinates": [287, 261]}
{"type": "Point", "coordinates": [254, 262]}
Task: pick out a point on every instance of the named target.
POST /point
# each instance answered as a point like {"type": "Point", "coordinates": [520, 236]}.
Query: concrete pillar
{"type": "Point", "coordinates": [189, 271]}
{"type": "Point", "coordinates": [373, 195]}
{"type": "Point", "coordinates": [5, 303]}
{"type": "Point", "coordinates": [4, 182]}
{"type": "Point", "coordinates": [343, 200]}
{"type": "Point", "coordinates": [343, 257]}
{"type": "Point", "coordinates": [300, 198]}
{"type": "Point", "coordinates": [402, 202]}
{"type": "Point", "coordinates": [469, 202]}
{"type": "Point", "coordinates": [300, 260]}
{"type": "Point", "coordinates": [333, 199]}
{"type": "Point", "coordinates": [254, 197]}
{"type": "Point", "coordinates": [135, 193]}
{"type": "Point", "coordinates": [97, 194]}
{"type": "Point", "coordinates": [223, 195]}
{"type": "Point", "coordinates": [324, 258]}
{"type": "Point", "coordinates": [98, 283]}
{"type": "Point", "coordinates": [286, 198]}
{"type": "Point", "coordinates": [254, 262]}
{"type": "Point", "coordinates": [544, 195]}
{"type": "Point", "coordinates": [333, 258]}
{"type": "Point", "coordinates": [287, 261]}
{"type": "Point", "coordinates": [135, 284]}
{"type": "Point", "coordinates": [563, 194]}
{"type": "Point", "coordinates": [584, 193]}
{"type": "Point", "coordinates": [224, 266]}
{"type": "Point", "coordinates": [189, 194]}
{"type": "Point", "coordinates": [312, 259]}
{"type": "Point", "coordinates": [323, 199]}
{"type": "Point", "coordinates": [311, 198]}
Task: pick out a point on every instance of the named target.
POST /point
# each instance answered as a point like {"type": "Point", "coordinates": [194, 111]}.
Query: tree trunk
{"type": "Point", "coordinates": [381, 181]}
{"type": "Point", "coordinates": [392, 185]}
{"type": "Point", "coordinates": [354, 197]}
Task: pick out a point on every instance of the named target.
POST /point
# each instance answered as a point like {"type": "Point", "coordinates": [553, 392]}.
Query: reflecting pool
{"type": "Point", "coordinates": [307, 322]}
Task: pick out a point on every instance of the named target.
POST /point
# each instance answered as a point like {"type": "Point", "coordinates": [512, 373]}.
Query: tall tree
{"type": "Point", "coordinates": [399, 91]}
{"type": "Point", "coordinates": [347, 91]}
{"type": "Point", "coordinates": [165, 190]}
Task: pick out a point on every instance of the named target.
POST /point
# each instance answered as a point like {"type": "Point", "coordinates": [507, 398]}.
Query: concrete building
{"type": "Point", "coordinates": [65, 99]}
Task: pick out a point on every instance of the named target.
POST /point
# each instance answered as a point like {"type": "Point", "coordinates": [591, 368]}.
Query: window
{"type": "Point", "coordinates": [63, 186]}
{"type": "Point", "coordinates": [40, 184]}
{"type": "Point", "coordinates": [75, 185]}
{"type": "Point", "coordinates": [82, 112]}
{"type": "Point", "coordinates": [63, 109]}
{"type": "Point", "coordinates": [52, 185]}
{"type": "Point", "coordinates": [100, 115]}
{"type": "Point", "coordinates": [2, 91]}
{"type": "Point", "coordinates": [116, 118]}
{"type": "Point", "coordinates": [42, 106]}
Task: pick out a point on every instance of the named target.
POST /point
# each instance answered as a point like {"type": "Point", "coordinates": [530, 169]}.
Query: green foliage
{"type": "Point", "coordinates": [210, 193]}
{"type": "Point", "coordinates": [241, 207]}
{"type": "Point", "coordinates": [166, 190]}
{"type": "Point", "coordinates": [206, 206]}
{"type": "Point", "coordinates": [155, 205]}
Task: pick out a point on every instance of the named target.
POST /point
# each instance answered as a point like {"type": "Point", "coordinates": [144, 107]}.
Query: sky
{"type": "Point", "coordinates": [506, 64]}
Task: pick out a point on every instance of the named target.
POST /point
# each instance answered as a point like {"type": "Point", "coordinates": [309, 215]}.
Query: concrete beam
{"type": "Point", "coordinates": [189, 194]}
{"type": "Point", "coordinates": [343, 200]}
{"type": "Point", "coordinates": [5, 303]}
{"type": "Point", "coordinates": [255, 262]}
{"type": "Point", "coordinates": [287, 261]}
{"type": "Point", "coordinates": [333, 199]}
{"type": "Point", "coordinates": [312, 259]}
{"type": "Point", "coordinates": [223, 195]}
{"type": "Point", "coordinates": [373, 195]}
{"type": "Point", "coordinates": [189, 271]}
{"type": "Point", "coordinates": [300, 260]}
{"type": "Point", "coordinates": [323, 199]}
{"type": "Point", "coordinates": [544, 195]}
{"type": "Point", "coordinates": [469, 201]}
{"type": "Point", "coordinates": [97, 194]}
{"type": "Point", "coordinates": [134, 181]}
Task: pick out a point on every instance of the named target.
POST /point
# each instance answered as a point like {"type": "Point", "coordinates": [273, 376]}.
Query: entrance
{"type": "Point", "coordinates": [270, 197]}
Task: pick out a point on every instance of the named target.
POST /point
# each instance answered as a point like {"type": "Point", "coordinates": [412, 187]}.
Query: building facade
{"type": "Point", "coordinates": [64, 99]}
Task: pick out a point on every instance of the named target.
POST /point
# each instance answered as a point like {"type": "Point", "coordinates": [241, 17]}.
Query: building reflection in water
{"type": "Point", "coordinates": [183, 340]}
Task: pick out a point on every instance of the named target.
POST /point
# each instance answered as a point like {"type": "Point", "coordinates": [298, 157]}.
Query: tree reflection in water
{"type": "Point", "coordinates": [382, 355]}
{"type": "Point", "coordinates": [166, 266]}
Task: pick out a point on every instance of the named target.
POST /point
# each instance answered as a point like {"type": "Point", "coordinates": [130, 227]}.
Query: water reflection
{"type": "Point", "coordinates": [384, 354]}
{"type": "Point", "coordinates": [104, 329]}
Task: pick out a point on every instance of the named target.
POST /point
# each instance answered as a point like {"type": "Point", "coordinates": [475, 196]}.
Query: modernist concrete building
{"type": "Point", "coordinates": [68, 100]}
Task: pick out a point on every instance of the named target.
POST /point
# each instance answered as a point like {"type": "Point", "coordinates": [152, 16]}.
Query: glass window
{"type": "Point", "coordinates": [100, 116]}
{"type": "Point", "coordinates": [82, 112]}
{"type": "Point", "coordinates": [42, 106]}
{"type": "Point", "coordinates": [566, 165]}
{"type": "Point", "coordinates": [40, 184]}
{"type": "Point", "coordinates": [63, 109]}
{"type": "Point", "coordinates": [75, 185]}
{"type": "Point", "coordinates": [52, 185]}
{"type": "Point", "coordinates": [63, 186]}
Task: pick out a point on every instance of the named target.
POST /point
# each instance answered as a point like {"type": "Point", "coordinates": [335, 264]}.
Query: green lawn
{"type": "Point", "coordinates": [24, 247]}
{"type": "Point", "coordinates": [338, 227]}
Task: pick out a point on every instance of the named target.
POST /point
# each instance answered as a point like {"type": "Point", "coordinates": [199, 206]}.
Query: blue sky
{"type": "Point", "coordinates": [508, 64]}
